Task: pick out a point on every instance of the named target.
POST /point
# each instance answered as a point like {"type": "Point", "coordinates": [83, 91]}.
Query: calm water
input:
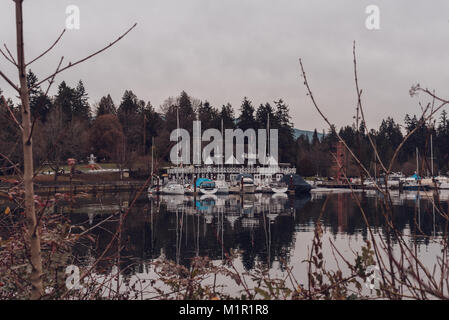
{"type": "Point", "coordinates": [263, 229]}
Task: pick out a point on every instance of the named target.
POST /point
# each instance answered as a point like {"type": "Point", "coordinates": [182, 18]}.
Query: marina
{"type": "Point", "coordinates": [223, 151]}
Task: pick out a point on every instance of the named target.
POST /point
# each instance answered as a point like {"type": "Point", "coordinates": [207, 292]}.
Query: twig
{"type": "Point", "coordinates": [10, 112]}
{"type": "Point", "coordinates": [48, 50]}
{"type": "Point", "coordinates": [9, 82]}
{"type": "Point", "coordinates": [359, 103]}
{"type": "Point", "coordinates": [70, 65]}
{"type": "Point", "coordinates": [53, 78]}
{"type": "Point", "coordinates": [10, 54]}
{"type": "Point", "coordinates": [10, 59]}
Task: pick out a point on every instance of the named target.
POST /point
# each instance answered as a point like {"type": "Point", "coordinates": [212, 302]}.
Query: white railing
{"type": "Point", "coordinates": [224, 170]}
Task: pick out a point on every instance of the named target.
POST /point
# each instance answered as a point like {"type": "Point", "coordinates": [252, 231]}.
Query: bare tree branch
{"type": "Point", "coordinates": [10, 58]}
{"type": "Point", "coordinates": [10, 54]}
{"type": "Point", "coordinates": [356, 159]}
{"type": "Point", "coordinates": [9, 82]}
{"type": "Point", "coordinates": [13, 165]}
{"type": "Point", "coordinates": [70, 65]}
{"type": "Point", "coordinates": [3, 101]}
{"type": "Point", "coordinates": [420, 123]}
{"type": "Point", "coordinates": [48, 50]}
{"type": "Point", "coordinates": [53, 78]}
{"type": "Point", "coordinates": [360, 107]}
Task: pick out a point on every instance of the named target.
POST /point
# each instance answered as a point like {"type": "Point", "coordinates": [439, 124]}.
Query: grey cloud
{"type": "Point", "coordinates": [224, 50]}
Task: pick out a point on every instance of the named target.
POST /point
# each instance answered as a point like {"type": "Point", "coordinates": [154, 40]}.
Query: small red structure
{"type": "Point", "coordinates": [71, 161]}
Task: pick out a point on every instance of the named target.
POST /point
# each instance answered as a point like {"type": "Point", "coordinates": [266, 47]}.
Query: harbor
{"type": "Point", "coordinates": [226, 151]}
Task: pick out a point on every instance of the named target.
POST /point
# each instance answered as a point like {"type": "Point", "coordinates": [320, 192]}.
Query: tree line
{"type": "Point", "coordinates": [315, 157]}
{"type": "Point", "coordinates": [67, 126]}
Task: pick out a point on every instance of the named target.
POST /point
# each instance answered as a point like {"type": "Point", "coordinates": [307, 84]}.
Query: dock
{"type": "Point", "coordinates": [89, 187]}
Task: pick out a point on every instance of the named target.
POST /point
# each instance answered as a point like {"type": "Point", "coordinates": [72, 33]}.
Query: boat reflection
{"type": "Point", "coordinates": [243, 206]}
{"type": "Point", "coordinates": [257, 227]}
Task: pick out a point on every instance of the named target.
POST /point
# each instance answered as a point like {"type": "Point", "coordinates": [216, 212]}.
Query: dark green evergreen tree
{"type": "Point", "coordinates": [246, 119]}
{"type": "Point", "coordinates": [40, 104]}
{"type": "Point", "coordinates": [106, 106]}
{"type": "Point", "coordinates": [228, 117]}
{"type": "Point", "coordinates": [81, 108]}
{"type": "Point", "coordinates": [282, 120]}
{"type": "Point", "coordinates": [208, 116]}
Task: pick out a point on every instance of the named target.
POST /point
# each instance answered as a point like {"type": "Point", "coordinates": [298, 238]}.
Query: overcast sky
{"type": "Point", "coordinates": [224, 50]}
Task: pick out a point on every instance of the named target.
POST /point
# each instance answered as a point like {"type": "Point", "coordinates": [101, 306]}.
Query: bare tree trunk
{"type": "Point", "coordinates": [33, 235]}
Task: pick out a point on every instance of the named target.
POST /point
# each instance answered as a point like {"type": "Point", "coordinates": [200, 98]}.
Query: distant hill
{"type": "Point", "coordinates": [309, 134]}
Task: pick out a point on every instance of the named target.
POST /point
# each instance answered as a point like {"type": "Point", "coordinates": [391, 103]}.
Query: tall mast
{"type": "Point", "coordinates": [431, 152]}
{"type": "Point", "coordinates": [222, 145]}
{"type": "Point", "coordinates": [268, 132]}
{"type": "Point", "coordinates": [375, 168]}
{"type": "Point", "coordinates": [417, 162]}
{"type": "Point", "coordinates": [152, 157]}
{"type": "Point", "coordinates": [177, 140]}
{"type": "Point", "coordinates": [268, 146]}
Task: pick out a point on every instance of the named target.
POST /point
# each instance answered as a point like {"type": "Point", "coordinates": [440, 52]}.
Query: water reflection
{"type": "Point", "coordinates": [262, 228]}
{"type": "Point", "coordinates": [186, 226]}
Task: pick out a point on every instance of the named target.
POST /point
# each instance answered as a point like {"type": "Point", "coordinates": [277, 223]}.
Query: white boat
{"type": "Point", "coordinates": [444, 186]}
{"type": "Point", "coordinates": [263, 187]}
{"type": "Point", "coordinates": [394, 180]}
{"type": "Point", "coordinates": [248, 185]}
{"type": "Point", "coordinates": [442, 182]}
{"type": "Point", "coordinates": [243, 183]}
{"type": "Point", "coordinates": [278, 187]}
{"type": "Point", "coordinates": [414, 183]}
{"type": "Point", "coordinates": [222, 187]}
{"type": "Point", "coordinates": [189, 189]}
{"type": "Point", "coordinates": [173, 188]}
{"type": "Point", "coordinates": [206, 186]}
{"type": "Point", "coordinates": [369, 182]}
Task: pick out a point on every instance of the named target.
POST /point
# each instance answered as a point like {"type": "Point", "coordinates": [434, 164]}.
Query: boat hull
{"type": "Point", "coordinates": [249, 188]}
{"type": "Point", "coordinates": [414, 188]}
{"type": "Point", "coordinates": [222, 187]}
{"type": "Point", "coordinates": [244, 189]}
{"type": "Point", "coordinates": [208, 191]}
{"type": "Point", "coordinates": [279, 189]}
{"type": "Point", "coordinates": [173, 189]}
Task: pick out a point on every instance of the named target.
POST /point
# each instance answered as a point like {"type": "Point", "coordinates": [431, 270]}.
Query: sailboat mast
{"type": "Point", "coordinates": [177, 140]}
{"type": "Point", "coordinates": [268, 133]}
{"type": "Point", "coordinates": [152, 159]}
{"type": "Point", "coordinates": [268, 145]}
{"type": "Point", "coordinates": [374, 164]}
{"type": "Point", "coordinates": [431, 152]}
{"type": "Point", "coordinates": [222, 144]}
{"type": "Point", "coordinates": [417, 162]}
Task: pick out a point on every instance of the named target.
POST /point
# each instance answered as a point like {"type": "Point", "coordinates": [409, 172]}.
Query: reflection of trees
{"type": "Point", "coordinates": [152, 230]}
{"type": "Point", "coordinates": [405, 217]}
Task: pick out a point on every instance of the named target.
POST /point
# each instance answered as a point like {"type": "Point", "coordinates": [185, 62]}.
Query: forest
{"type": "Point", "coordinates": [66, 126]}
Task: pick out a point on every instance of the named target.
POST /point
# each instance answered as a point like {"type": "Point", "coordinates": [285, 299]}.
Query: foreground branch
{"type": "Point", "coordinates": [48, 50]}
{"type": "Point", "coordinates": [70, 65]}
